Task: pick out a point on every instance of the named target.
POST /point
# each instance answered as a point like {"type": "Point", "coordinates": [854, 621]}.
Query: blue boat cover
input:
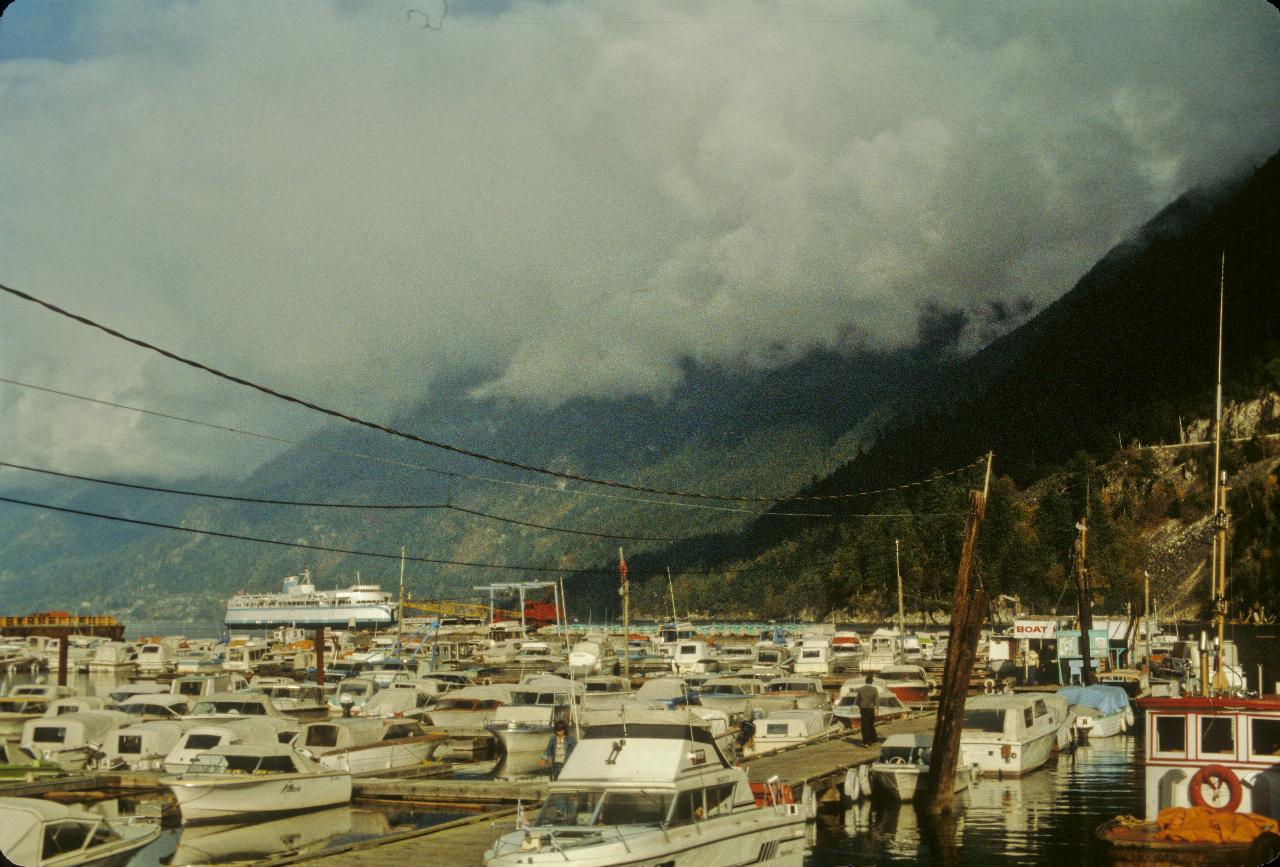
{"type": "Point", "coordinates": [1104, 699]}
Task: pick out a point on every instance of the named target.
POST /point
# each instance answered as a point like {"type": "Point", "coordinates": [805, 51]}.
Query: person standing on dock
{"type": "Point", "coordinates": [559, 748]}
{"type": "Point", "coordinates": [868, 699]}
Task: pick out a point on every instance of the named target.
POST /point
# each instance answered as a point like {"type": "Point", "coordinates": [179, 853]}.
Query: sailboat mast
{"type": "Point", "coordinates": [1219, 577]}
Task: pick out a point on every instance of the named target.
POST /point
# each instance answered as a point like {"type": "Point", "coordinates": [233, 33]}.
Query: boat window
{"type": "Point", "coordinates": [688, 648]}
{"type": "Point", "coordinates": [1028, 717]}
{"type": "Point", "coordinates": [775, 729]}
{"type": "Point", "coordinates": [68, 708]}
{"type": "Point", "coordinates": [405, 730]}
{"type": "Point", "coordinates": [322, 736]}
{"type": "Point", "coordinates": [569, 808]}
{"type": "Point", "coordinates": [886, 701]}
{"type": "Point", "coordinates": [104, 834]}
{"type": "Point", "coordinates": [1171, 734]}
{"type": "Point", "coordinates": [811, 654]}
{"type": "Point", "coordinates": [285, 737]}
{"type": "Point", "coordinates": [719, 799]}
{"type": "Point", "coordinates": [888, 754]}
{"type": "Point", "coordinates": [63, 837]}
{"type": "Point", "coordinates": [1217, 734]}
{"type": "Point", "coordinates": [48, 735]}
{"type": "Point", "coordinates": [276, 765]}
{"type": "Point", "coordinates": [208, 763]}
{"type": "Point", "coordinates": [984, 720]}
{"type": "Point", "coordinates": [129, 744]}
{"type": "Point", "coordinates": [243, 708]}
{"type": "Point", "coordinates": [1265, 736]}
{"type": "Point", "coordinates": [202, 742]}
{"type": "Point", "coordinates": [1041, 709]}
{"type": "Point", "coordinates": [190, 687]}
{"type": "Point", "coordinates": [847, 701]}
{"type": "Point", "coordinates": [634, 808]}
{"type": "Point", "coordinates": [688, 807]}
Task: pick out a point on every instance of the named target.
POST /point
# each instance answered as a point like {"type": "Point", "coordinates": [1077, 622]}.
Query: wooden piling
{"type": "Point", "coordinates": [318, 641]}
{"type": "Point", "coordinates": [1084, 602]}
{"type": "Point", "coordinates": [62, 659]}
{"type": "Point", "coordinates": [967, 610]}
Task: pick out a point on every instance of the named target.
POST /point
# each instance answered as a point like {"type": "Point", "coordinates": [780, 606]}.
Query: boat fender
{"type": "Point", "coordinates": [1215, 776]}
{"type": "Point", "coordinates": [852, 790]}
{"type": "Point", "coordinates": [864, 779]}
{"type": "Point", "coordinates": [809, 802]}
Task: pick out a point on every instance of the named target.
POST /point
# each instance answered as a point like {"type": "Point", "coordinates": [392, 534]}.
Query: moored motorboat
{"type": "Point", "coordinates": [637, 792]}
{"type": "Point", "coordinates": [233, 782]}
{"type": "Point", "coordinates": [36, 833]}
{"type": "Point", "coordinates": [789, 728]}
{"type": "Point", "coordinates": [899, 771]}
{"type": "Point", "coordinates": [1012, 734]}
{"type": "Point", "coordinates": [365, 745]}
{"type": "Point", "coordinates": [72, 739]}
{"type": "Point", "coordinates": [1098, 711]}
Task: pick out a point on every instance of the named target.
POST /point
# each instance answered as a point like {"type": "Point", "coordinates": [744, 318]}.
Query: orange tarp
{"type": "Point", "coordinates": [1203, 825]}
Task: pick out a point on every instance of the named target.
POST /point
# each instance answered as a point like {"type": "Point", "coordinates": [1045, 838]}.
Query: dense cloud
{"type": "Point", "coordinates": [571, 199]}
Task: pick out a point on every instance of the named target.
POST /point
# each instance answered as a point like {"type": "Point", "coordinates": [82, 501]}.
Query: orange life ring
{"type": "Point", "coordinates": [1224, 777]}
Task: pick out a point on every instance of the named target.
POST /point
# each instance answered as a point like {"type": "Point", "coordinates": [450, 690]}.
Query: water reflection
{"type": "Point", "coordinates": [1047, 816]}
{"type": "Point", "coordinates": [213, 844]}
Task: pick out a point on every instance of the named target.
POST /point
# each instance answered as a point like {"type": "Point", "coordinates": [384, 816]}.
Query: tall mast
{"type": "Point", "coordinates": [897, 567]}
{"type": "Point", "coordinates": [1219, 577]}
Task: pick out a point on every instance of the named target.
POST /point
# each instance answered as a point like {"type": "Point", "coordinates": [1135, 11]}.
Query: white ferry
{"type": "Point", "coordinates": [301, 604]}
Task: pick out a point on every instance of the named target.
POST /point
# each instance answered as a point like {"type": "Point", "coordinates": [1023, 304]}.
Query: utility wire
{"type": "Point", "coordinates": [319, 505]}
{"type": "Point", "coordinates": [460, 450]}
{"type": "Point", "coordinates": [550, 489]}
{"type": "Point", "coordinates": [385, 556]}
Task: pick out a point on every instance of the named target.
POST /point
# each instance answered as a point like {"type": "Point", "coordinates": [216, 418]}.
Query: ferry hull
{"type": "Point", "coordinates": [364, 616]}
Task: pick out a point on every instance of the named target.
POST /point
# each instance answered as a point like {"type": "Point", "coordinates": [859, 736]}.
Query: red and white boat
{"type": "Point", "coordinates": [1213, 751]}
{"type": "Point", "coordinates": [909, 683]}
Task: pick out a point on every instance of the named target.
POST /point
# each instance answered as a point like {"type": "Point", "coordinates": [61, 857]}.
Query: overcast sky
{"type": "Point", "coordinates": [347, 200]}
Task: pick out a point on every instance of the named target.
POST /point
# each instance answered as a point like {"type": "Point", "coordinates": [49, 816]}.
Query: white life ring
{"type": "Point", "coordinates": [988, 686]}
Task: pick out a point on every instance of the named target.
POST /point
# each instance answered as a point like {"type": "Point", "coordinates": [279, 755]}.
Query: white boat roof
{"type": "Point", "coordinates": [486, 692]}
{"type": "Point", "coordinates": [22, 825]}
{"type": "Point", "coordinates": [918, 739]}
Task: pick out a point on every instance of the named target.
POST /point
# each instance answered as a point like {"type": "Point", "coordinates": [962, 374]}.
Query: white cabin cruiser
{"type": "Point", "coordinates": [207, 734]}
{"type": "Point", "coordinates": [39, 833]}
{"type": "Point", "coordinates": [693, 657]}
{"type": "Point", "coordinates": [470, 706]}
{"type": "Point", "coordinates": [900, 770]}
{"type": "Point", "coordinates": [364, 745]}
{"type": "Point", "coordinates": [229, 783]}
{"type": "Point", "coordinates": [72, 739]}
{"type": "Point", "coordinates": [198, 685]}
{"type": "Point", "coordinates": [789, 728]}
{"type": "Point", "coordinates": [637, 792]}
{"type": "Point", "coordinates": [24, 703]}
{"type": "Point", "coordinates": [813, 658]}
{"type": "Point", "coordinates": [884, 647]}
{"type": "Point", "coordinates": [114, 657]}
{"type": "Point", "coordinates": [524, 726]}
{"type": "Point", "coordinates": [888, 705]}
{"type": "Point", "coordinates": [142, 746]}
{"type": "Point", "coordinates": [595, 655]}
{"type": "Point", "coordinates": [1013, 734]}
{"type": "Point", "coordinates": [803, 692]}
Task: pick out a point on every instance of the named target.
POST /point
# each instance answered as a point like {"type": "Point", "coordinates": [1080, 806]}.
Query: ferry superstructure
{"type": "Point", "coordinates": [362, 606]}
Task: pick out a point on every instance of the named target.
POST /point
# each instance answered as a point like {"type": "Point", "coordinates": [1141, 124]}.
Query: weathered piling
{"type": "Point", "coordinates": [966, 619]}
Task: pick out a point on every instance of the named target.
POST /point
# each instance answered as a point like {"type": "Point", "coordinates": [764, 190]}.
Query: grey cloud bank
{"type": "Point", "coordinates": [339, 202]}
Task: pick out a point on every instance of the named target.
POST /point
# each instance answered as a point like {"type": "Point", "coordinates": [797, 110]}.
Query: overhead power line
{"type": "Point", "coordinates": [460, 450]}
{"type": "Point", "coordinates": [321, 505]}
{"type": "Point", "coordinates": [546, 489]}
{"type": "Point", "coordinates": [386, 555]}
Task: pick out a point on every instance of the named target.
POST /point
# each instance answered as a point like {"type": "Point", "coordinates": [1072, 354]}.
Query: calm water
{"type": "Point", "coordinates": [1047, 817]}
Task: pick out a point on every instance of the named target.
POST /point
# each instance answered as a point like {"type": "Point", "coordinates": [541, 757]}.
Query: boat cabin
{"type": "Point", "coordinates": [166, 706]}
{"type": "Point", "coordinates": [36, 833]}
{"type": "Point", "coordinates": [69, 739]}
{"type": "Point", "coordinates": [142, 746]}
{"type": "Point", "coordinates": [1238, 738]}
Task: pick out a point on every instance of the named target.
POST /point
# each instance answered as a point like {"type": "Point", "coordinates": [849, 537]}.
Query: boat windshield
{"type": "Point", "coordinates": [212, 763]}
{"type": "Point", "coordinates": [724, 689]}
{"type": "Point", "coordinates": [244, 708]}
{"type": "Point", "coordinates": [543, 698]}
{"type": "Point", "coordinates": [910, 755]}
{"type": "Point", "coordinates": [984, 720]}
{"type": "Point", "coordinates": [570, 808]}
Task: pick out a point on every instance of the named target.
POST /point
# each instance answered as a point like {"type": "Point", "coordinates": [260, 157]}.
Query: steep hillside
{"type": "Point", "coordinates": [1125, 358]}
{"type": "Point", "coordinates": [728, 431]}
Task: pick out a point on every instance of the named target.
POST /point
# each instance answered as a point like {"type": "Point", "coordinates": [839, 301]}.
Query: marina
{"type": "Point", "coordinates": [660, 434]}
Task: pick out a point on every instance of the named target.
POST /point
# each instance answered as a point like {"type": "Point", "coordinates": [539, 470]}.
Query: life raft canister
{"type": "Point", "coordinates": [1215, 776]}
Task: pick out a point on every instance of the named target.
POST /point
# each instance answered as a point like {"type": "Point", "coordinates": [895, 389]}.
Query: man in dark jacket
{"type": "Point", "coordinates": [868, 699]}
{"type": "Point", "coordinates": [558, 749]}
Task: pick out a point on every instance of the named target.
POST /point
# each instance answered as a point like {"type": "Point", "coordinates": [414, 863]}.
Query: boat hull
{"type": "Point", "coordinates": [365, 616]}
{"type": "Point", "coordinates": [774, 838]}
{"type": "Point", "coordinates": [224, 799]}
{"type": "Point", "coordinates": [1023, 758]}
